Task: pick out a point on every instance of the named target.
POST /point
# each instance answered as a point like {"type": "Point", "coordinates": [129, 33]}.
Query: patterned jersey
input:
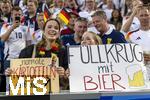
{"type": "Point", "coordinates": [140, 37]}
{"type": "Point", "coordinates": [17, 40]}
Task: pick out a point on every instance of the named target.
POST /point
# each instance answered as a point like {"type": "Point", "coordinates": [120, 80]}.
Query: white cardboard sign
{"type": "Point", "coordinates": [113, 67]}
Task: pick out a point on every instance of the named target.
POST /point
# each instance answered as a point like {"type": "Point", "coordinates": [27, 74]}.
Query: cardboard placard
{"type": "Point", "coordinates": [113, 67]}
{"type": "Point", "coordinates": [34, 76]}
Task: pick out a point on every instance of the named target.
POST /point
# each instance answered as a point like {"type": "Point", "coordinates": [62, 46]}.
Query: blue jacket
{"type": "Point", "coordinates": [68, 40]}
{"type": "Point", "coordinates": [1, 55]}
{"type": "Point", "coordinates": [113, 37]}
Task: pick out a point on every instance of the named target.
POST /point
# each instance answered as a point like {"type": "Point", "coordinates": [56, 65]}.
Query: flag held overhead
{"type": "Point", "coordinates": [64, 16]}
{"type": "Point", "coordinates": [47, 13]}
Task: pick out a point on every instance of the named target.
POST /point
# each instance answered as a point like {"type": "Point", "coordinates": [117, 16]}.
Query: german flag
{"type": "Point", "coordinates": [64, 16]}
{"type": "Point", "coordinates": [47, 13]}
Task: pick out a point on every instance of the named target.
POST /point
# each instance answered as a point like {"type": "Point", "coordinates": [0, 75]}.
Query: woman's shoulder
{"type": "Point", "coordinates": [29, 48]}
{"type": "Point", "coordinates": [26, 52]}
{"type": "Point", "coordinates": [62, 50]}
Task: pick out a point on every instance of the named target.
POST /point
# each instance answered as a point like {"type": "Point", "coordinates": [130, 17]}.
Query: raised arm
{"type": "Point", "coordinates": [6, 35]}
{"type": "Point", "coordinates": [127, 25]}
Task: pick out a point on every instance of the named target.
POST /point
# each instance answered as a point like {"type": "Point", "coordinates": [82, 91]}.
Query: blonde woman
{"type": "Point", "coordinates": [91, 38]}
{"type": "Point", "coordinates": [88, 38]}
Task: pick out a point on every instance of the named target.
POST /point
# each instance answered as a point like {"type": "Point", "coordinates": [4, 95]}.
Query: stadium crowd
{"type": "Point", "coordinates": [38, 28]}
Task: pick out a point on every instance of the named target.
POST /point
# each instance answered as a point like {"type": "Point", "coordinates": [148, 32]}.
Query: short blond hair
{"type": "Point", "coordinates": [97, 39]}
{"type": "Point", "coordinates": [100, 13]}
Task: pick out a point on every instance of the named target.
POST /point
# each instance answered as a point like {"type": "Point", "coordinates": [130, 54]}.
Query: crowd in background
{"type": "Point", "coordinates": [26, 32]}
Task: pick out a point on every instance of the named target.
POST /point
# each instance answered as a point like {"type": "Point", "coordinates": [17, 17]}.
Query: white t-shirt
{"type": "Point", "coordinates": [108, 13]}
{"type": "Point", "coordinates": [86, 15]}
{"type": "Point", "coordinates": [118, 3]}
{"type": "Point", "coordinates": [134, 26]}
{"type": "Point", "coordinates": [36, 36]}
{"type": "Point", "coordinates": [4, 28]}
{"type": "Point", "coordinates": [142, 38]}
{"type": "Point", "coordinates": [16, 41]}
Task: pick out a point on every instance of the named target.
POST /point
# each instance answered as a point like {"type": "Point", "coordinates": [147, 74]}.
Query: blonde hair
{"type": "Point", "coordinates": [97, 39]}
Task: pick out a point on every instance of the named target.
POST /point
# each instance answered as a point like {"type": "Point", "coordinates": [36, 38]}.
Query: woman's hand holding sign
{"type": "Point", "coordinates": [8, 71]}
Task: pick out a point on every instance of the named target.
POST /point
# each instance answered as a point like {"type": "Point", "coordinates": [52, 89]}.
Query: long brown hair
{"type": "Point", "coordinates": [42, 43]}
